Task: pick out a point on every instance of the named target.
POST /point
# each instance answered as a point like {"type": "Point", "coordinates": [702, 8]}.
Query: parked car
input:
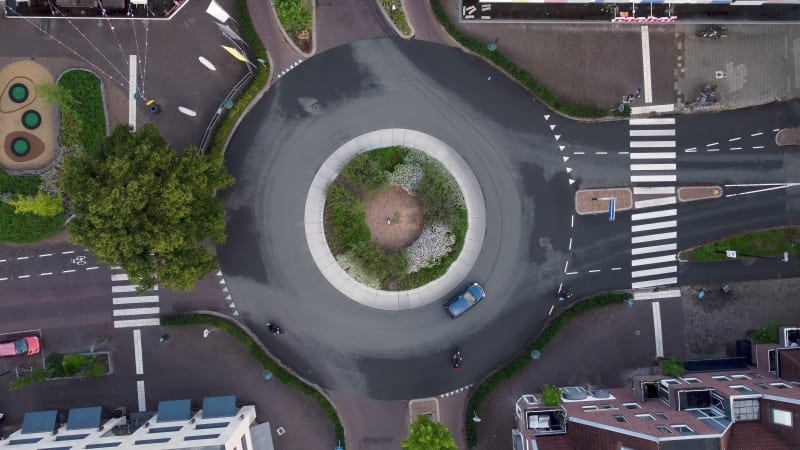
{"type": "Point", "coordinates": [464, 301]}
{"type": "Point", "coordinates": [28, 345]}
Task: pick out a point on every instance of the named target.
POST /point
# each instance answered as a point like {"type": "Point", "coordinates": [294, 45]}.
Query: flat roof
{"type": "Point", "coordinates": [174, 410]}
{"type": "Point", "coordinates": [39, 422]}
{"type": "Point", "coordinates": [222, 406]}
{"type": "Point", "coordinates": [84, 418]}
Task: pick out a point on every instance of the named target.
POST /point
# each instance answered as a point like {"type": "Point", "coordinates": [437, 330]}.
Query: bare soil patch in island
{"type": "Point", "coordinates": [395, 218]}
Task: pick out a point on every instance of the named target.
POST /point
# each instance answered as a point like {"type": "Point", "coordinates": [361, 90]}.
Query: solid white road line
{"type": "Point", "coordinates": [661, 201]}
{"type": "Point", "coordinates": [137, 351]}
{"type": "Point", "coordinates": [657, 330]}
{"type": "Point", "coordinates": [140, 395]}
{"type": "Point", "coordinates": [134, 300]}
{"type": "Point", "coordinates": [653, 178]}
{"type": "Point", "coordinates": [132, 72]}
{"type": "Point", "coordinates": [650, 144]}
{"type": "Point", "coordinates": [659, 121]}
{"type": "Point", "coordinates": [656, 271]}
{"type": "Point", "coordinates": [654, 249]}
{"type": "Point", "coordinates": [639, 190]}
{"type": "Point", "coordinates": [653, 155]}
{"type": "Point", "coordinates": [663, 132]}
{"type": "Point", "coordinates": [654, 283]}
{"type": "Point", "coordinates": [670, 166]}
{"type": "Point", "coordinates": [119, 277]}
{"type": "Point", "coordinates": [654, 237]}
{"type": "Point", "coordinates": [136, 323]}
{"type": "Point", "coordinates": [646, 295]}
{"type": "Point", "coordinates": [136, 311]}
{"type": "Point", "coordinates": [654, 226]}
{"type": "Point", "coordinates": [648, 81]}
{"type": "Point", "coordinates": [653, 260]}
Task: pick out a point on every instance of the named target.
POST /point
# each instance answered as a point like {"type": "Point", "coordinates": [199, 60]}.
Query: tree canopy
{"type": "Point", "coordinates": [140, 205]}
{"type": "Point", "coordinates": [428, 435]}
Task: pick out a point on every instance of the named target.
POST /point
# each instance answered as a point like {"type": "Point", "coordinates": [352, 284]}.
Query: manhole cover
{"type": "Point", "coordinates": [31, 120]}
{"type": "Point", "coordinates": [18, 93]}
{"type": "Point", "coordinates": [20, 146]}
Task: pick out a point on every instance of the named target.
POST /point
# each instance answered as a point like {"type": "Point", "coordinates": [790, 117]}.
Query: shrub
{"type": "Point", "coordinates": [294, 15]}
{"type": "Point", "coordinates": [767, 335]}
{"type": "Point", "coordinates": [40, 204]}
{"type": "Point", "coordinates": [19, 185]}
{"type": "Point", "coordinates": [54, 365]}
{"type": "Point", "coordinates": [440, 194]}
{"type": "Point", "coordinates": [26, 227]}
{"type": "Point", "coordinates": [385, 265]}
{"type": "Point", "coordinates": [35, 377]}
{"type": "Point", "coordinates": [398, 16]}
{"type": "Point", "coordinates": [551, 395]}
{"type": "Point", "coordinates": [348, 220]}
{"type": "Point", "coordinates": [72, 364]}
{"type": "Point", "coordinates": [365, 171]}
{"type": "Point", "coordinates": [671, 368]}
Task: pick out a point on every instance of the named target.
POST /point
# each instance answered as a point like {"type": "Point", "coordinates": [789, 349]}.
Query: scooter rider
{"type": "Point", "coordinates": [457, 360]}
{"type": "Point", "coordinates": [274, 329]}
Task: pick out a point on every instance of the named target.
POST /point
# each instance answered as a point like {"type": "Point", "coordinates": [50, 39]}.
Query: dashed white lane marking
{"type": "Point", "coordinates": [119, 277]}
{"type": "Point", "coordinates": [616, 268]}
{"type": "Point", "coordinates": [579, 153]}
{"type": "Point", "coordinates": [601, 153]}
{"type": "Point", "coordinates": [654, 249]}
{"type": "Point", "coordinates": [24, 276]}
{"type": "Point", "coordinates": [654, 226]}
{"type": "Point", "coordinates": [653, 155]}
{"type": "Point", "coordinates": [45, 274]}
{"type": "Point", "coordinates": [653, 202]}
{"type": "Point", "coordinates": [757, 134]}
{"type": "Point", "coordinates": [68, 271]}
{"type": "Point", "coordinates": [92, 268]}
{"type": "Point", "coordinates": [2, 260]}
{"type": "Point", "coordinates": [758, 147]}
{"type": "Point", "coordinates": [3, 279]}
{"type": "Point", "coordinates": [566, 264]}
{"type": "Point", "coordinates": [133, 300]}
{"type": "Point", "coordinates": [653, 178]}
{"type": "Point", "coordinates": [654, 283]}
{"type": "Point", "coordinates": [653, 260]}
{"type": "Point", "coordinates": [570, 244]}
{"type": "Point", "coordinates": [140, 395]}
{"type": "Point", "coordinates": [690, 150]}
{"type": "Point", "coordinates": [650, 144]}
{"type": "Point", "coordinates": [645, 295]}
{"type": "Point", "coordinates": [572, 221]}
{"type": "Point", "coordinates": [639, 190]}
{"type": "Point", "coordinates": [137, 351]}
{"type": "Point", "coordinates": [653, 166]}
{"type": "Point", "coordinates": [68, 252]}
{"type": "Point", "coordinates": [657, 330]}
{"type": "Point", "coordinates": [572, 273]}
{"type": "Point", "coordinates": [713, 150]}
{"type": "Point", "coordinates": [595, 270]}
{"type": "Point", "coordinates": [712, 144]}
{"type": "Point", "coordinates": [136, 311]}
{"type": "Point", "coordinates": [663, 132]}
{"type": "Point", "coordinates": [648, 86]}
{"type": "Point", "coordinates": [659, 121]}
{"type": "Point", "coordinates": [22, 258]}
{"type": "Point", "coordinates": [136, 323]}
{"type": "Point", "coordinates": [45, 254]}
{"type": "Point", "coordinates": [624, 153]}
{"type": "Point", "coordinates": [736, 148]}
{"type": "Point", "coordinates": [734, 139]}
{"type": "Point", "coordinates": [654, 237]}
{"type": "Point", "coordinates": [656, 271]}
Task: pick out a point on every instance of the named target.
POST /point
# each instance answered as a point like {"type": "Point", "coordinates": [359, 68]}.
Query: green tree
{"type": "Point", "coordinates": [671, 368]}
{"type": "Point", "coordinates": [428, 435]}
{"type": "Point", "coordinates": [551, 395]}
{"type": "Point", "coordinates": [40, 204]}
{"type": "Point", "coordinates": [141, 206]}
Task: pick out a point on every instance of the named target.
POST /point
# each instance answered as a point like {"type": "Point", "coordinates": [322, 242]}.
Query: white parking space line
{"type": "Point", "coordinates": [136, 311]}
{"type": "Point", "coordinates": [652, 155]}
{"type": "Point", "coordinates": [646, 295]}
{"type": "Point", "coordinates": [654, 283]}
{"type": "Point", "coordinates": [654, 237]}
{"type": "Point", "coordinates": [661, 201]}
{"type": "Point", "coordinates": [654, 226]}
{"type": "Point", "coordinates": [134, 300]}
{"type": "Point", "coordinates": [657, 329]}
{"type": "Point", "coordinates": [136, 323]}
{"type": "Point", "coordinates": [654, 249]}
{"type": "Point", "coordinates": [653, 178]}
{"type": "Point", "coordinates": [119, 277]}
{"type": "Point", "coordinates": [648, 80]}
{"type": "Point", "coordinates": [656, 271]}
{"type": "Point", "coordinates": [653, 260]}
{"type": "Point", "coordinates": [654, 214]}
{"type": "Point", "coordinates": [137, 351]}
{"type": "Point", "coordinates": [651, 144]}
{"type": "Point", "coordinates": [664, 132]}
{"type": "Point", "coordinates": [639, 190]}
{"type": "Point", "coordinates": [659, 121]}
{"type": "Point", "coordinates": [670, 166]}
{"type": "Point", "coordinates": [140, 395]}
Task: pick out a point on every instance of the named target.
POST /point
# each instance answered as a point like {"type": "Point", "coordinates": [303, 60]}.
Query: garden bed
{"type": "Point", "coordinates": [596, 201]}
{"type": "Point", "coordinates": [762, 244]}
{"type": "Point", "coordinates": [297, 18]}
{"type": "Point", "coordinates": [394, 9]}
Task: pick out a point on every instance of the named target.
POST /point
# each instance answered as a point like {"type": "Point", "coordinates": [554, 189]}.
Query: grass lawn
{"type": "Point", "coordinates": [83, 119]}
{"type": "Point", "coordinates": [759, 243]}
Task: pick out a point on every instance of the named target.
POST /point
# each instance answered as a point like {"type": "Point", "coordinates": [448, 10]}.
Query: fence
{"type": "Point", "coordinates": [234, 93]}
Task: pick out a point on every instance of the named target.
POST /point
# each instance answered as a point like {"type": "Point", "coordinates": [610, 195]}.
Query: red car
{"type": "Point", "coordinates": [28, 345]}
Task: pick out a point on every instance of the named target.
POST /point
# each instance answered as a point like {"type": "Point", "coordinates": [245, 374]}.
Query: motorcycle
{"type": "Point", "coordinates": [714, 33]}
{"type": "Point", "coordinates": [274, 329]}
{"type": "Point", "coordinates": [457, 360]}
{"type": "Point", "coordinates": [564, 294]}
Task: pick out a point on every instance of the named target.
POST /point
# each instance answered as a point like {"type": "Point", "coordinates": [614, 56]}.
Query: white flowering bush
{"type": "Point", "coordinates": [433, 243]}
{"type": "Point", "coordinates": [407, 176]}
{"type": "Point", "coordinates": [351, 265]}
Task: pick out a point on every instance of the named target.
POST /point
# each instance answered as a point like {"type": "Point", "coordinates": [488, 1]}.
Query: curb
{"type": "Point", "coordinates": [289, 39]}
{"type": "Point", "coordinates": [604, 210]}
{"type": "Point", "coordinates": [709, 197]}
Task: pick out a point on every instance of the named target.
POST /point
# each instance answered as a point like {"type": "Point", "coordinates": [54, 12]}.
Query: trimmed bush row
{"type": "Point", "coordinates": [545, 336]}
{"type": "Point", "coordinates": [515, 71]}
{"type": "Point", "coordinates": [255, 350]}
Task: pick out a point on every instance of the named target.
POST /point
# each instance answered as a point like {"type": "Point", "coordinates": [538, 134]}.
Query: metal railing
{"type": "Point", "coordinates": [232, 96]}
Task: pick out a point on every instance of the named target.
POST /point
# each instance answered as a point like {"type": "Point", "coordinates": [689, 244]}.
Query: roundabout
{"type": "Point", "coordinates": [283, 156]}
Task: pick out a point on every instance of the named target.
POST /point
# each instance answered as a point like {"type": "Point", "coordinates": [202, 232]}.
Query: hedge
{"type": "Point", "coordinates": [545, 336]}
{"type": "Point", "coordinates": [258, 353]}
{"type": "Point", "coordinates": [513, 70]}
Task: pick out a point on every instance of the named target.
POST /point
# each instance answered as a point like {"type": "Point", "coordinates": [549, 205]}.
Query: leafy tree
{"type": "Point", "coordinates": [141, 206]}
{"type": "Point", "coordinates": [40, 204]}
{"type": "Point", "coordinates": [428, 435]}
{"type": "Point", "coordinates": [671, 368]}
{"type": "Point", "coordinates": [551, 395]}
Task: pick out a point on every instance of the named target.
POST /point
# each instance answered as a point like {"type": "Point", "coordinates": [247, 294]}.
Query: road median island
{"type": "Point", "coordinates": [770, 243]}
{"type": "Point", "coordinates": [695, 193]}
{"type": "Point", "coordinates": [597, 201]}
{"type": "Point", "coordinates": [788, 136]}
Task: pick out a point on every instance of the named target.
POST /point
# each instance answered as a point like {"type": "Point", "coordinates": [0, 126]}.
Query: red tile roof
{"type": "Point", "coordinates": [754, 435]}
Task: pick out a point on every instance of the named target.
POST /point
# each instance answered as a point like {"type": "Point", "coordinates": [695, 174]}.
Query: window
{"type": "Point", "coordinates": [779, 385]}
{"type": "Point", "coordinates": [606, 406]}
{"type": "Point", "coordinates": [691, 380]}
{"type": "Point", "coordinates": [757, 376]}
{"type": "Point", "coordinates": [589, 408]}
{"type": "Point", "coordinates": [720, 378]}
{"type": "Point", "coordinates": [781, 417]}
{"type": "Point", "coordinates": [670, 381]}
{"type": "Point", "coordinates": [762, 386]}
{"type": "Point", "coordinates": [631, 405]}
{"type": "Point", "coordinates": [683, 430]}
{"type": "Point", "coordinates": [740, 377]}
{"type": "Point", "coordinates": [619, 418]}
{"type": "Point", "coordinates": [741, 388]}
{"type": "Point", "coordinates": [661, 416]}
{"type": "Point", "coordinates": [645, 417]}
{"type": "Point", "coordinates": [664, 429]}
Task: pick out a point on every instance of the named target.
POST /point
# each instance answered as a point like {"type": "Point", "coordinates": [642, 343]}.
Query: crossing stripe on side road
{"type": "Point", "coordinates": [650, 203]}
{"type": "Point", "coordinates": [662, 132]}
{"type": "Point", "coordinates": [654, 237]}
{"type": "Point", "coordinates": [137, 351]}
{"type": "Point", "coordinates": [653, 178]}
{"type": "Point", "coordinates": [647, 295]}
{"type": "Point", "coordinates": [119, 277]}
{"type": "Point", "coordinates": [140, 395]}
{"type": "Point", "coordinates": [654, 249]}
{"type": "Point", "coordinates": [136, 311]}
{"type": "Point", "coordinates": [654, 283]}
{"type": "Point", "coordinates": [136, 323]}
{"type": "Point", "coordinates": [652, 144]}
{"type": "Point", "coordinates": [642, 190]}
{"type": "Point", "coordinates": [128, 288]}
{"type": "Point", "coordinates": [671, 166]}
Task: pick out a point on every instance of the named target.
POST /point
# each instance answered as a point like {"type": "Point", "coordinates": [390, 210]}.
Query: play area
{"type": "Point", "coordinates": [28, 125]}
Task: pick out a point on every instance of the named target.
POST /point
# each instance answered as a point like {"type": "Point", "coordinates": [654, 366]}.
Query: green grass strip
{"type": "Point", "coordinates": [516, 72]}
{"type": "Point", "coordinates": [258, 353]}
{"type": "Point", "coordinates": [765, 244]}
{"type": "Point", "coordinates": [515, 366]}
{"type": "Point", "coordinates": [83, 119]}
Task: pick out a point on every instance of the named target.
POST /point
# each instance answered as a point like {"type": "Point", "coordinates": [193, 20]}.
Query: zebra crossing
{"type": "Point", "coordinates": [654, 232]}
{"type": "Point", "coordinates": [131, 310]}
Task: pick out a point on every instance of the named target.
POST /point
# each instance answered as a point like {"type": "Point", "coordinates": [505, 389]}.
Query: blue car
{"type": "Point", "coordinates": [469, 298]}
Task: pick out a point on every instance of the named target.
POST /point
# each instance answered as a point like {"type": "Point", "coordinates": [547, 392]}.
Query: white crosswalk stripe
{"type": "Point", "coordinates": [654, 249]}
{"type": "Point", "coordinates": [651, 155]}
{"type": "Point", "coordinates": [654, 237]}
{"type": "Point", "coordinates": [654, 226]}
{"type": "Point", "coordinates": [656, 271]}
{"type": "Point", "coordinates": [653, 260]}
{"type": "Point", "coordinates": [138, 310]}
{"type": "Point", "coordinates": [649, 203]}
{"type": "Point", "coordinates": [654, 214]}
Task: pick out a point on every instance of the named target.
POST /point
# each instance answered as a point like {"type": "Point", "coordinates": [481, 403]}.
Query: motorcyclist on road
{"type": "Point", "coordinates": [457, 360]}
{"type": "Point", "coordinates": [274, 329]}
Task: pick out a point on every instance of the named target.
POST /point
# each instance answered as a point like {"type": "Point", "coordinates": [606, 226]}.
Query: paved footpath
{"type": "Point", "coordinates": [342, 21]}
